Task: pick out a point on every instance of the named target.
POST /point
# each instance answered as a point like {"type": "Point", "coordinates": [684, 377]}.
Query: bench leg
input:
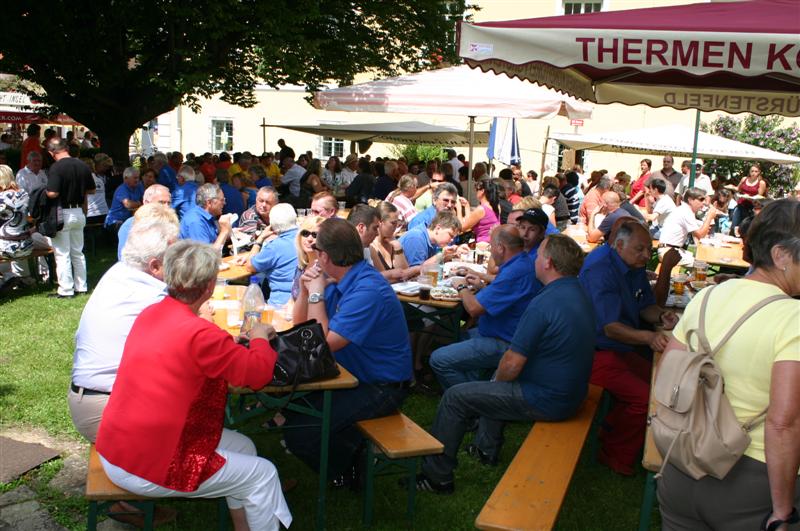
{"type": "Point", "coordinates": [369, 486]}
{"type": "Point", "coordinates": [149, 509]}
{"type": "Point", "coordinates": [648, 500]}
{"type": "Point", "coordinates": [413, 465]}
{"type": "Point", "coordinates": [91, 524]}
{"type": "Point", "coordinates": [222, 514]}
{"type": "Point", "coordinates": [594, 435]}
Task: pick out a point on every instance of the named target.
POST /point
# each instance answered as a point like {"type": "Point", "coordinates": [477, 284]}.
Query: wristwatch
{"type": "Point", "coordinates": [462, 287]}
{"type": "Point", "coordinates": [314, 298]}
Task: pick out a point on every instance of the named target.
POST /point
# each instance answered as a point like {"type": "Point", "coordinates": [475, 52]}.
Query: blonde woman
{"type": "Point", "coordinates": [306, 254]}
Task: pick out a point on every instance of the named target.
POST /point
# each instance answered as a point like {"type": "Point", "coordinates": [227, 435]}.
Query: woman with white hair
{"type": "Point", "coordinates": [277, 260]}
{"type": "Point", "coordinates": [175, 358]}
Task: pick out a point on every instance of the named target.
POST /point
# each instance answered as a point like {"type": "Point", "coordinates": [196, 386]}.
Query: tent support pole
{"type": "Point", "coordinates": [471, 162]}
{"type": "Point", "coordinates": [693, 169]}
{"type": "Point", "coordinates": [544, 154]}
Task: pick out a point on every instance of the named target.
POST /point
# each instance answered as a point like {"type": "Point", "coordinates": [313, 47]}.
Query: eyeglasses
{"type": "Point", "coordinates": [449, 201]}
{"type": "Point", "coordinates": [437, 180]}
{"type": "Point", "coordinates": [306, 233]}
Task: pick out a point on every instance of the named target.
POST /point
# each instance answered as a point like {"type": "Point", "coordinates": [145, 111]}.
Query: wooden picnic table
{"type": "Point", "coordinates": [730, 256]}
{"type": "Point", "coordinates": [272, 398]}
{"type": "Point", "coordinates": [234, 272]}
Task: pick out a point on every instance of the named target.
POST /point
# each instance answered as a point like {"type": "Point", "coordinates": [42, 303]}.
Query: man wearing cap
{"type": "Point", "coordinates": [701, 180]}
{"type": "Point", "coordinates": [127, 198]}
{"type": "Point", "coordinates": [498, 307]}
{"type": "Point", "coordinates": [350, 169]}
{"type": "Point", "coordinates": [533, 227]}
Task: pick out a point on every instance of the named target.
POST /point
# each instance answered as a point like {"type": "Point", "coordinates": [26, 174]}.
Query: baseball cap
{"type": "Point", "coordinates": [535, 216]}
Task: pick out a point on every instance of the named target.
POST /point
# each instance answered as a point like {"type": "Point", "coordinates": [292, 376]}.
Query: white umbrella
{"type": "Point", "coordinates": [454, 91]}
{"type": "Point", "coordinates": [395, 133]}
{"type": "Point", "coordinates": [671, 140]}
{"type": "Point", "coordinates": [504, 142]}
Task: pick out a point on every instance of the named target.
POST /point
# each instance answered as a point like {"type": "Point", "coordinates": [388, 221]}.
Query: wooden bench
{"type": "Point", "coordinates": [394, 441]}
{"type": "Point", "coordinates": [530, 493]}
{"type": "Point", "coordinates": [33, 265]}
{"type": "Point", "coordinates": [102, 494]}
{"type": "Point", "coordinates": [91, 232]}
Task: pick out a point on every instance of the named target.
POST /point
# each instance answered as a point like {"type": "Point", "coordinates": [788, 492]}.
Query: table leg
{"type": "Point", "coordinates": [323, 458]}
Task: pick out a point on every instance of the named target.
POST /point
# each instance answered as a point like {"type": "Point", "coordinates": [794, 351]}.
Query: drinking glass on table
{"type": "Point", "coordinates": [219, 289]}
{"type": "Point", "coordinates": [679, 284]}
{"type": "Point", "coordinates": [232, 317]}
{"type": "Point", "coordinates": [700, 270]}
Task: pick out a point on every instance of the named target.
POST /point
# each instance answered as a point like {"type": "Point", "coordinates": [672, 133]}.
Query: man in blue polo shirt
{"type": "Point", "coordinates": [127, 198]}
{"type": "Point", "coordinates": [278, 258]}
{"type": "Point", "coordinates": [498, 307]}
{"type": "Point", "coordinates": [185, 193]}
{"type": "Point", "coordinates": [614, 276]}
{"type": "Point", "coordinates": [543, 375]}
{"type": "Point", "coordinates": [204, 222]}
{"type": "Point", "coordinates": [445, 198]}
{"type": "Point", "coordinates": [366, 330]}
{"type": "Point", "coordinates": [420, 245]}
{"type": "Point", "coordinates": [166, 175]}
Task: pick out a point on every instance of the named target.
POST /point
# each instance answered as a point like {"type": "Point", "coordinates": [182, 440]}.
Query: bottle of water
{"type": "Point", "coordinates": [439, 267]}
{"type": "Point", "coordinates": [252, 306]}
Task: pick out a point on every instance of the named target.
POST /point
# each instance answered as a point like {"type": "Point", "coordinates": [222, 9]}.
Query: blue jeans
{"type": "Point", "coordinates": [467, 361]}
{"type": "Point", "coordinates": [494, 403]}
{"type": "Point", "coordinates": [348, 406]}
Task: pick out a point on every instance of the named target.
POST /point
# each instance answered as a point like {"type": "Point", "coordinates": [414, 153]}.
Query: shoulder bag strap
{"type": "Point", "coordinates": [744, 318]}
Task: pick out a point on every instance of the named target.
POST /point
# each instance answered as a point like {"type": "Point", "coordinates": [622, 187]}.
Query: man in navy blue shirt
{"type": "Point", "coordinates": [542, 376]}
{"type": "Point", "coordinates": [498, 307]}
{"type": "Point", "coordinates": [421, 244]}
{"type": "Point", "coordinates": [614, 275]}
{"type": "Point", "coordinates": [166, 175]}
{"type": "Point", "coordinates": [366, 329]}
{"type": "Point", "coordinates": [234, 204]}
{"type": "Point", "coordinates": [204, 222]}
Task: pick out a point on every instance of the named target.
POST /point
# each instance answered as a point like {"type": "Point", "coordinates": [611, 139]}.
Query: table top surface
{"type": "Point", "coordinates": [414, 299]}
{"type": "Point", "coordinates": [234, 272]}
{"type": "Point", "coordinates": [722, 256]}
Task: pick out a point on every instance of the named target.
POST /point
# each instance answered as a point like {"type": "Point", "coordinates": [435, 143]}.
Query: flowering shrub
{"type": "Point", "coordinates": [762, 131]}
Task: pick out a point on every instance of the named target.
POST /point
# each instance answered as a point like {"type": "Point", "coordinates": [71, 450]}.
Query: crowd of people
{"type": "Point", "coordinates": [544, 320]}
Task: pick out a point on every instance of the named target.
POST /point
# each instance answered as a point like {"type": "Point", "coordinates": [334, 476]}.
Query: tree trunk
{"type": "Point", "coordinates": [114, 141]}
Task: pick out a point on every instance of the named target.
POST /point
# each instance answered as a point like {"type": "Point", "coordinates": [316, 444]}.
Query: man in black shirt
{"type": "Point", "coordinates": [69, 181]}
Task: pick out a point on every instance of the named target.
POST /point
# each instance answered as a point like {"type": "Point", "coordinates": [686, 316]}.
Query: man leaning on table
{"type": "Point", "coordinates": [682, 222]}
{"type": "Point", "coordinates": [498, 307]}
{"type": "Point", "coordinates": [366, 330]}
{"type": "Point", "coordinates": [543, 374]}
{"type": "Point", "coordinates": [615, 278]}
{"type": "Point", "coordinates": [126, 289]}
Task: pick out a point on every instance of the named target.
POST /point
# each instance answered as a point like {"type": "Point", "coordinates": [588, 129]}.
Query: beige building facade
{"type": "Point", "coordinates": [224, 127]}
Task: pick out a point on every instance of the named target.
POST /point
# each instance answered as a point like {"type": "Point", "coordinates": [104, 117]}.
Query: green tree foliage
{"type": "Point", "coordinates": [116, 65]}
{"type": "Point", "coordinates": [418, 152]}
{"type": "Point", "coordinates": [762, 131]}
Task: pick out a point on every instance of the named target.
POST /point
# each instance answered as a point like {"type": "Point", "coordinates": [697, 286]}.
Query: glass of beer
{"type": "Point", "coordinates": [679, 284]}
{"type": "Point", "coordinates": [700, 271]}
{"type": "Point", "coordinates": [268, 314]}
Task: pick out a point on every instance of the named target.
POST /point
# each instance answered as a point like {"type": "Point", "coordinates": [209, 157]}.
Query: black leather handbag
{"type": "Point", "coordinates": [303, 355]}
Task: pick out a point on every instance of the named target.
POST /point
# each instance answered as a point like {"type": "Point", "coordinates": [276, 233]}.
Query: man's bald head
{"type": "Point", "coordinates": [507, 235]}
{"type": "Point", "coordinates": [157, 193]}
{"type": "Point", "coordinates": [611, 199]}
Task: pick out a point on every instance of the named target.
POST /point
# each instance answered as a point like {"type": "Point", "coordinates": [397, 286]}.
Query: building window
{"type": "Point", "coordinates": [576, 8]}
{"type": "Point", "coordinates": [332, 147]}
{"type": "Point", "coordinates": [221, 135]}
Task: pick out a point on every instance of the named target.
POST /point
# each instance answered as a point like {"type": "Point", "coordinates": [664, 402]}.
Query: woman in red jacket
{"type": "Point", "coordinates": [161, 434]}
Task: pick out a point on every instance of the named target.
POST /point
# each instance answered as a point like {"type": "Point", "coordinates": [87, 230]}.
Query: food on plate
{"type": "Point", "coordinates": [444, 293]}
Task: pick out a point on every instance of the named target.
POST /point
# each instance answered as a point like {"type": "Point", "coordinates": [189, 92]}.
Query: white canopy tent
{"type": "Point", "coordinates": [454, 91]}
{"type": "Point", "coordinates": [395, 133]}
{"type": "Point", "coordinates": [671, 140]}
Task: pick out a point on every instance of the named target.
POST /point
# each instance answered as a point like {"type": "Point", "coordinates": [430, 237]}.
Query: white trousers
{"type": "Point", "coordinates": [19, 268]}
{"type": "Point", "coordinates": [246, 480]}
{"type": "Point", "coordinates": [68, 250]}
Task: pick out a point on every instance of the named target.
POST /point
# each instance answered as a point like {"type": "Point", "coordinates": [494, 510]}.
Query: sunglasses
{"type": "Point", "coordinates": [306, 233]}
{"type": "Point", "coordinates": [437, 180]}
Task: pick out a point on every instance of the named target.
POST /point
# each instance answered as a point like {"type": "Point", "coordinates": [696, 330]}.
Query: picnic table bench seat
{"type": "Point", "coordinates": [394, 440]}
{"type": "Point", "coordinates": [49, 257]}
{"type": "Point", "coordinates": [530, 493]}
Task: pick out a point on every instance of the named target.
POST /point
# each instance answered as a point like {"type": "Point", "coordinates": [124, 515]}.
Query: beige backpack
{"type": "Point", "coordinates": [694, 426]}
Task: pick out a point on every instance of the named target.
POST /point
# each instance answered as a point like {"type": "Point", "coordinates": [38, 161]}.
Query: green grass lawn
{"type": "Point", "coordinates": [37, 338]}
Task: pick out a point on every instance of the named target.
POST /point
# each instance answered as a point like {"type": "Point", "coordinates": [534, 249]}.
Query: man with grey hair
{"type": "Point", "coordinates": [594, 199]}
{"type": "Point", "coordinates": [126, 289]}
{"type": "Point", "coordinates": [185, 193]}
{"type": "Point", "coordinates": [127, 198]}
{"type": "Point", "coordinates": [444, 197]}
{"type": "Point", "coordinates": [32, 175]}
{"type": "Point", "coordinates": [255, 220]}
{"type": "Point", "coordinates": [204, 222]}
{"type": "Point", "coordinates": [156, 193]}
{"type": "Point", "coordinates": [166, 175]}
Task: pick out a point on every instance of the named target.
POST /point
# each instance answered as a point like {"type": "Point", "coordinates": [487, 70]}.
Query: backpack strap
{"type": "Point", "coordinates": [743, 318]}
{"type": "Point", "coordinates": [701, 327]}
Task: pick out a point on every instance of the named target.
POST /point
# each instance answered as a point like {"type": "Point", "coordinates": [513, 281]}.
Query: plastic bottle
{"type": "Point", "coordinates": [252, 306]}
{"type": "Point", "coordinates": [439, 267]}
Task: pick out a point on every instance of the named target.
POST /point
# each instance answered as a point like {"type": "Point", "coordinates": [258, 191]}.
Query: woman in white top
{"type": "Point", "coordinates": [96, 206]}
{"type": "Point", "coordinates": [331, 174]}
